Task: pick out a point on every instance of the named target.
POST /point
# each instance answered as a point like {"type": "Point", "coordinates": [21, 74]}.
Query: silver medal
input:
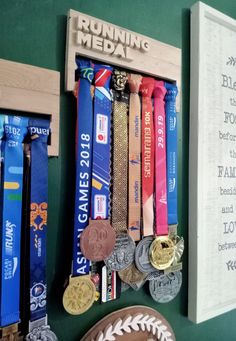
{"type": "Point", "coordinates": [42, 333]}
{"type": "Point", "coordinates": [166, 287]}
{"type": "Point", "coordinates": [123, 254]}
{"type": "Point", "coordinates": [155, 275]}
{"type": "Point", "coordinates": [142, 255]}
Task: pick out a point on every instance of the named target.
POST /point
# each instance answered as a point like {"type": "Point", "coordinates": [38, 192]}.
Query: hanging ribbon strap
{"type": "Point", "coordinates": [134, 207]}
{"type": "Point", "coordinates": [98, 239]}
{"type": "Point", "coordinates": [83, 163]}
{"type": "Point", "coordinates": [80, 281]}
{"type": "Point", "coordinates": [146, 90]}
{"type": "Point", "coordinates": [160, 159]}
{"type": "Point", "coordinates": [120, 152]}
{"type": "Point", "coordinates": [101, 176]}
{"type": "Point", "coordinates": [15, 131]}
{"type": "Point", "coordinates": [39, 132]}
{"type": "Point", "coordinates": [171, 130]}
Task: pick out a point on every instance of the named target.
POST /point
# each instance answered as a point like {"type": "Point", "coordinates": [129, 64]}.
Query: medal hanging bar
{"type": "Point", "coordinates": [123, 253]}
{"type": "Point", "coordinates": [162, 248]}
{"type": "Point", "coordinates": [80, 279]}
{"type": "Point", "coordinates": [98, 239]}
{"type": "Point", "coordinates": [146, 90]}
{"type": "Point", "coordinates": [38, 324]}
{"type": "Point", "coordinates": [134, 207]}
{"type": "Point", "coordinates": [12, 149]}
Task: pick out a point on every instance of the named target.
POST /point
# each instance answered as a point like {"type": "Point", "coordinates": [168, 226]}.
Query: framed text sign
{"type": "Point", "coordinates": [212, 178]}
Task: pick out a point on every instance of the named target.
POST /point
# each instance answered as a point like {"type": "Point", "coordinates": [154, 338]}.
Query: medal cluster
{"type": "Point", "coordinates": [126, 188]}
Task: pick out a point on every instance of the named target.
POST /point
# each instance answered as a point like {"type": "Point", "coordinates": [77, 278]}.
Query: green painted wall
{"type": "Point", "coordinates": [34, 32]}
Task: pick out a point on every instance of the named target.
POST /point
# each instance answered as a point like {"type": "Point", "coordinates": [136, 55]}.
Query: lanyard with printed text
{"type": "Point", "coordinates": [98, 239]}
{"type": "Point", "coordinates": [80, 280]}
{"type": "Point", "coordinates": [15, 129]}
{"type": "Point", "coordinates": [171, 131]}
{"type": "Point", "coordinates": [39, 133]}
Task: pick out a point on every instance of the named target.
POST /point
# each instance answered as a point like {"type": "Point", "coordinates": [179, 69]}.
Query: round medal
{"type": "Point", "coordinates": [41, 333]}
{"type": "Point", "coordinates": [123, 254]}
{"type": "Point", "coordinates": [98, 240]}
{"type": "Point", "coordinates": [131, 275]}
{"type": "Point", "coordinates": [166, 287]}
{"type": "Point", "coordinates": [142, 260]}
{"type": "Point", "coordinates": [162, 252]}
{"type": "Point", "coordinates": [79, 295]}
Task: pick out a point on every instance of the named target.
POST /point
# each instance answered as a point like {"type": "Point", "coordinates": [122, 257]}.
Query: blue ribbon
{"type": "Point", "coordinates": [39, 132]}
{"type": "Point", "coordinates": [15, 130]}
{"type": "Point", "coordinates": [81, 265]}
{"type": "Point", "coordinates": [101, 143]}
{"type": "Point", "coordinates": [172, 157]}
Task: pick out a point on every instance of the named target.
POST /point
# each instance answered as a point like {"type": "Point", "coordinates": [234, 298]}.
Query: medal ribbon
{"type": "Point", "coordinates": [2, 120]}
{"type": "Point", "coordinates": [39, 132]}
{"type": "Point", "coordinates": [15, 131]}
{"type": "Point", "coordinates": [171, 130]}
{"type": "Point", "coordinates": [134, 207]}
{"type": "Point", "coordinates": [160, 159]}
{"type": "Point", "coordinates": [84, 128]}
{"type": "Point", "coordinates": [101, 176]}
{"type": "Point", "coordinates": [146, 90]}
{"type": "Point", "coordinates": [120, 153]}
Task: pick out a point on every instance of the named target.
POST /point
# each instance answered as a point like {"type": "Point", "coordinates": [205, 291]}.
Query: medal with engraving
{"type": "Point", "coordinates": [38, 322]}
{"type": "Point", "coordinates": [131, 275]}
{"type": "Point", "coordinates": [162, 248]}
{"type": "Point", "coordinates": [79, 295]}
{"type": "Point", "coordinates": [166, 287]}
{"type": "Point", "coordinates": [73, 300]}
{"type": "Point", "coordinates": [123, 254]}
{"type": "Point", "coordinates": [98, 239]}
{"type": "Point", "coordinates": [142, 259]}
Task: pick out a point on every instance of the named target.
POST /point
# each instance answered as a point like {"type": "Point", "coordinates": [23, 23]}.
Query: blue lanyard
{"type": "Point", "coordinates": [81, 265]}
{"type": "Point", "coordinates": [101, 143]}
{"type": "Point", "coordinates": [172, 157]}
{"type": "Point", "coordinates": [15, 130]}
{"type": "Point", "coordinates": [39, 132]}
{"type": "Point", "coordinates": [2, 120]}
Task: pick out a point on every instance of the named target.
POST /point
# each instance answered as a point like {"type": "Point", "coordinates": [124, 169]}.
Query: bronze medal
{"type": "Point", "coordinates": [79, 295]}
{"type": "Point", "coordinates": [131, 275]}
{"type": "Point", "coordinates": [162, 252]}
{"type": "Point", "coordinates": [98, 240]}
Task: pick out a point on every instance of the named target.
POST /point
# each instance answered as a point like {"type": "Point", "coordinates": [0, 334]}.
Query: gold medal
{"type": "Point", "coordinates": [162, 252]}
{"type": "Point", "coordinates": [79, 295]}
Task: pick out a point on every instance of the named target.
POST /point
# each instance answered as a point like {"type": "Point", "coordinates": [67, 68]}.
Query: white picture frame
{"type": "Point", "coordinates": [212, 235]}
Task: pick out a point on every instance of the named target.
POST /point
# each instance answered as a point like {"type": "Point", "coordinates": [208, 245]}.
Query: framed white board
{"type": "Point", "coordinates": [212, 164]}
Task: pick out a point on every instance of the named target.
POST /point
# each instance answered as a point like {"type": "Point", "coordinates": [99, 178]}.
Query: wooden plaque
{"type": "Point", "coordinates": [34, 90]}
{"type": "Point", "coordinates": [99, 40]}
{"type": "Point", "coordinates": [212, 164]}
{"type": "Point", "coordinates": [135, 323]}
